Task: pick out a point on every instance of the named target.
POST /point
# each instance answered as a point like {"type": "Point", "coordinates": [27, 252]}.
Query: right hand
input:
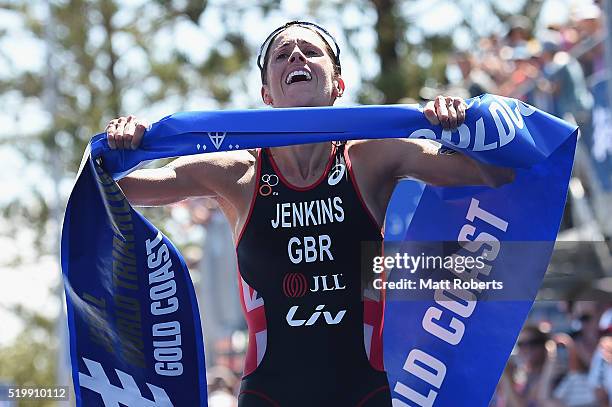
{"type": "Point", "coordinates": [125, 132]}
{"type": "Point", "coordinates": [605, 345]}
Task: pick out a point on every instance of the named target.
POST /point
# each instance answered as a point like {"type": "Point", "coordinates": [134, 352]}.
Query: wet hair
{"type": "Point", "coordinates": [264, 51]}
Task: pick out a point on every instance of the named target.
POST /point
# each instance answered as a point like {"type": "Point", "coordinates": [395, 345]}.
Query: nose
{"type": "Point", "coordinates": [297, 54]}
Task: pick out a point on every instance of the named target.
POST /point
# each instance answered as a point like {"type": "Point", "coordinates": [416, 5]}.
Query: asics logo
{"type": "Point", "coordinates": [336, 174]}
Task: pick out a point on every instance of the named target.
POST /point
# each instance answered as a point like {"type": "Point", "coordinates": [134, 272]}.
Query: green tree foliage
{"type": "Point", "coordinates": [103, 61]}
{"type": "Point", "coordinates": [30, 360]}
{"type": "Point", "coordinates": [402, 72]}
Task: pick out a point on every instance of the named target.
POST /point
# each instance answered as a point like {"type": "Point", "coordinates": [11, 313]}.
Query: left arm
{"type": "Point", "coordinates": [395, 159]}
{"type": "Point", "coordinates": [421, 159]}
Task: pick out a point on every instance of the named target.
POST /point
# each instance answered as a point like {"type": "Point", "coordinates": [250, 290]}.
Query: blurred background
{"type": "Point", "coordinates": [69, 66]}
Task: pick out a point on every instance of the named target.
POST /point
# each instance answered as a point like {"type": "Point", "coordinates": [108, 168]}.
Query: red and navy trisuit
{"type": "Point", "coordinates": [314, 338]}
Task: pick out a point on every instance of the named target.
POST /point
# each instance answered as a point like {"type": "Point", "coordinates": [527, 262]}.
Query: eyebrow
{"type": "Point", "coordinates": [285, 43]}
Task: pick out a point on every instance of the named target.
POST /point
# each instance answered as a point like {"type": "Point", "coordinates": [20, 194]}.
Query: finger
{"type": "Point", "coordinates": [452, 114]}
{"type": "Point", "coordinates": [430, 113]}
{"type": "Point", "coordinates": [138, 133]}
{"type": "Point", "coordinates": [111, 128]}
{"type": "Point", "coordinates": [111, 124]}
{"type": "Point", "coordinates": [564, 339]}
{"type": "Point", "coordinates": [460, 108]}
{"type": "Point", "coordinates": [128, 133]}
{"type": "Point", "coordinates": [120, 132]}
{"type": "Point", "coordinates": [442, 111]}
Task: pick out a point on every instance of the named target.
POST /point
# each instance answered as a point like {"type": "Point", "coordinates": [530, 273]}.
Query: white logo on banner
{"type": "Point", "coordinates": [217, 138]}
{"type": "Point", "coordinates": [112, 395]}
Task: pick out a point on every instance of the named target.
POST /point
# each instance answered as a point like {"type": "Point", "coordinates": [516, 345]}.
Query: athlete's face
{"type": "Point", "coordinates": [300, 72]}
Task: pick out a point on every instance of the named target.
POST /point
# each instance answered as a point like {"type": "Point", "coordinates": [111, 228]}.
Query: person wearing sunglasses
{"type": "Point", "coordinates": [530, 361]}
{"type": "Point", "coordinates": [600, 374]}
{"type": "Point", "coordinates": [299, 215]}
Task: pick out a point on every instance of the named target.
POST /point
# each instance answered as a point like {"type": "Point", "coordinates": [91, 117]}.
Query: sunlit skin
{"type": "Point", "coordinates": [298, 48]}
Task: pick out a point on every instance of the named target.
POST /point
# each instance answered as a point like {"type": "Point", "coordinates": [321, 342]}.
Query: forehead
{"type": "Point", "coordinates": [297, 34]}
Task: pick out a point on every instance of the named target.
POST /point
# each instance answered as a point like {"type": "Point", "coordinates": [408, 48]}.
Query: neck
{"type": "Point", "coordinates": [302, 163]}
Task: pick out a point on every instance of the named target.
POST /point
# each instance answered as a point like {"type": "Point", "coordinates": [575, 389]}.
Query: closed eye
{"type": "Point", "coordinates": [281, 55]}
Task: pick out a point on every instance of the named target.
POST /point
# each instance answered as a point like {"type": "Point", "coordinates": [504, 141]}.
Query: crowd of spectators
{"type": "Point", "coordinates": [567, 361]}
{"type": "Point", "coordinates": [549, 68]}
{"type": "Point", "coordinates": [568, 365]}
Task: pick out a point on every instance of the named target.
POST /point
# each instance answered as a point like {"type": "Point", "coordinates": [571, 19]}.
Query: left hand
{"type": "Point", "coordinates": [447, 111]}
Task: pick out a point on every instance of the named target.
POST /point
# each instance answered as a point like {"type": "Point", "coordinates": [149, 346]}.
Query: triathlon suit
{"type": "Point", "coordinates": [314, 338]}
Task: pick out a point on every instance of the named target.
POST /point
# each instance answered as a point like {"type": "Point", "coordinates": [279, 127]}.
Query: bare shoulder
{"type": "Point", "coordinates": [360, 149]}
{"type": "Point", "coordinates": [392, 159]}
{"type": "Point", "coordinates": [368, 159]}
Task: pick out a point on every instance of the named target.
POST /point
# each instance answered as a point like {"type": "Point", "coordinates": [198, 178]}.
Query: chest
{"type": "Point", "coordinates": [316, 230]}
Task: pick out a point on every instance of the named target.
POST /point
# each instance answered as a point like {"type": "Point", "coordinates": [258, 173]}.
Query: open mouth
{"type": "Point", "coordinates": [298, 76]}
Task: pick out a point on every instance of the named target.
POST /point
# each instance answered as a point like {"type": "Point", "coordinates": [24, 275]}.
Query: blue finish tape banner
{"type": "Point", "coordinates": [135, 334]}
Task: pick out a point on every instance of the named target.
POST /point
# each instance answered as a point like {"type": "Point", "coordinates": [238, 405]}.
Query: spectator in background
{"type": "Point", "coordinates": [520, 388]}
{"type": "Point", "coordinates": [546, 373]}
{"type": "Point", "coordinates": [564, 381]}
{"type": "Point", "coordinates": [519, 32]}
{"type": "Point", "coordinates": [539, 90]}
{"type": "Point", "coordinates": [586, 17]}
{"type": "Point", "coordinates": [474, 80]}
{"type": "Point", "coordinates": [568, 35]}
{"type": "Point", "coordinates": [600, 374]}
{"type": "Point", "coordinates": [222, 385]}
{"type": "Point", "coordinates": [490, 61]}
{"type": "Point", "coordinates": [564, 79]}
{"type": "Point", "coordinates": [525, 71]}
{"type": "Point", "coordinates": [585, 317]}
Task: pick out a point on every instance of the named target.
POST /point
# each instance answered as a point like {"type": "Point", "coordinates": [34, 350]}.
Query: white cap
{"type": "Point", "coordinates": [586, 11]}
{"type": "Point", "coordinates": [605, 322]}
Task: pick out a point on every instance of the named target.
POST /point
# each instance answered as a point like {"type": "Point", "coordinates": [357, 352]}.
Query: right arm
{"type": "Point", "coordinates": [152, 187]}
{"type": "Point", "coordinates": [209, 175]}
{"type": "Point", "coordinates": [213, 175]}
